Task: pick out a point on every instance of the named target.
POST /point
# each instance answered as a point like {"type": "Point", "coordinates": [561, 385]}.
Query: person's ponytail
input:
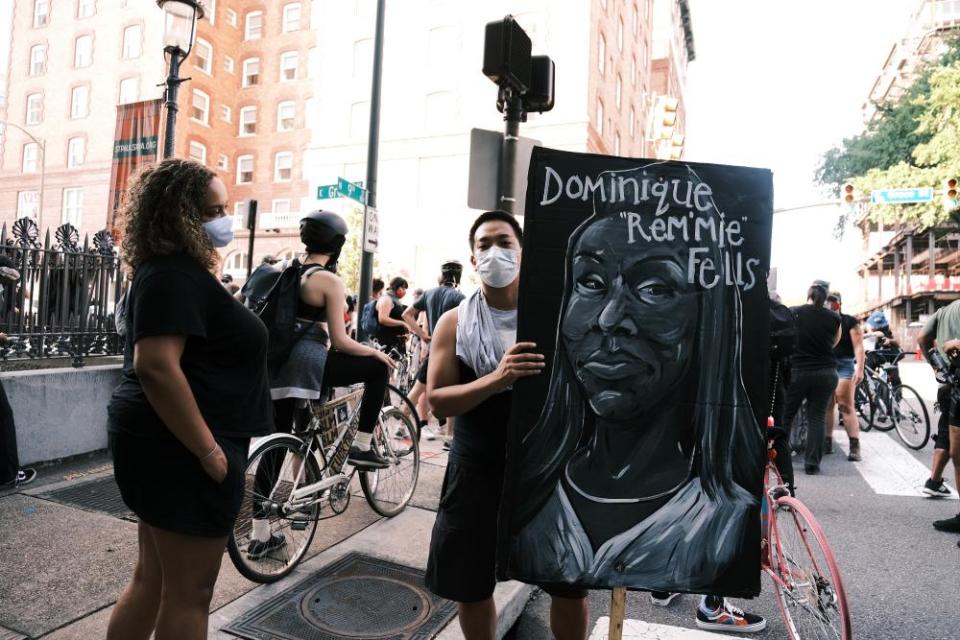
{"type": "Point", "coordinates": [817, 295]}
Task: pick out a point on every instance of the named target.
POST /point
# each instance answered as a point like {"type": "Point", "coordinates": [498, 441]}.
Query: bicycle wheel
{"type": "Point", "coordinates": [397, 398]}
{"type": "Point", "coordinates": [864, 406]}
{"type": "Point", "coordinates": [808, 586]}
{"type": "Point", "coordinates": [271, 473]}
{"type": "Point", "coordinates": [395, 438]}
{"type": "Point", "coordinates": [912, 419]}
{"type": "Point", "coordinates": [883, 416]}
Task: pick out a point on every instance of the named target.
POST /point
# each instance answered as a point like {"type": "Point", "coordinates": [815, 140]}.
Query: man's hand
{"type": "Point", "coordinates": [3, 339]}
{"type": "Point", "coordinates": [952, 347]}
{"type": "Point", "coordinates": [216, 465]}
{"type": "Point", "coordinates": [857, 376]}
{"type": "Point", "coordinates": [518, 364]}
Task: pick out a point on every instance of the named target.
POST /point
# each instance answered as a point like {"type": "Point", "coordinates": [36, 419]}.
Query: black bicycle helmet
{"type": "Point", "coordinates": [451, 270]}
{"type": "Point", "coordinates": [323, 232]}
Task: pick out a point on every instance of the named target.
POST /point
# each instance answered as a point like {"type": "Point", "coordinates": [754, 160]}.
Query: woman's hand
{"type": "Point", "coordinates": [384, 358]}
{"type": "Point", "coordinates": [517, 364]}
{"type": "Point", "coordinates": [216, 465]}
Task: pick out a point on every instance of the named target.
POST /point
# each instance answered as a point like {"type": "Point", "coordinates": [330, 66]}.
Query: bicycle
{"type": "Point", "coordinates": [896, 405]}
{"type": "Point", "coordinates": [796, 555]}
{"type": "Point", "coordinates": [291, 478]}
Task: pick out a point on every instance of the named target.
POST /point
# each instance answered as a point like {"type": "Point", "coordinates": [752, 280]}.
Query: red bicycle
{"type": "Point", "coordinates": [797, 557]}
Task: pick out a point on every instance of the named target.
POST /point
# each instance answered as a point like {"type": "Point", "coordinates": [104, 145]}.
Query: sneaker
{"type": "Point", "coordinates": [428, 432]}
{"type": "Point", "coordinates": [368, 459]}
{"type": "Point", "coordinates": [662, 598]}
{"type": "Point", "coordinates": [936, 489]}
{"type": "Point", "coordinates": [446, 444]}
{"type": "Point", "coordinates": [811, 469]}
{"type": "Point", "coordinates": [950, 525]}
{"type": "Point", "coordinates": [24, 476]}
{"type": "Point", "coordinates": [257, 549]}
{"type": "Point", "coordinates": [828, 445]}
{"type": "Point", "coordinates": [730, 619]}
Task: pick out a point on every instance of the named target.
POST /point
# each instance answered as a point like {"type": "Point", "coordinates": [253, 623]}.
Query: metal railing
{"type": "Point", "coordinates": [63, 304]}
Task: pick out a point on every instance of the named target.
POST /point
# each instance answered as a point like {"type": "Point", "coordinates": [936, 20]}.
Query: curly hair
{"type": "Point", "coordinates": [162, 214]}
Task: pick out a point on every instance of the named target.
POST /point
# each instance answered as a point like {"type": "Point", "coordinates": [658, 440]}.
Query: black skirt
{"type": "Point", "coordinates": [164, 484]}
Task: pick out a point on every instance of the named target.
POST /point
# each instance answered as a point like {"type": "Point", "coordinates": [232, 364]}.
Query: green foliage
{"type": "Point", "coordinates": [348, 267]}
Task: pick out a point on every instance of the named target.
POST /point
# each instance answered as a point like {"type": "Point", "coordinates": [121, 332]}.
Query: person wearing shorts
{"type": "Point", "coordinates": [850, 359]}
{"type": "Point", "coordinates": [471, 378]}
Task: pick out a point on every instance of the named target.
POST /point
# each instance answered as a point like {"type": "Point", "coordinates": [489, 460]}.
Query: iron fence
{"type": "Point", "coordinates": [64, 302]}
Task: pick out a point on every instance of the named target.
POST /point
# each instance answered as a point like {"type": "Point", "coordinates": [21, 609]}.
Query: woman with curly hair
{"type": "Point", "coordinates": [193, 392]}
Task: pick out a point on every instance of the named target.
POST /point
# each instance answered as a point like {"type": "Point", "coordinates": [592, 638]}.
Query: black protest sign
{"type": "Point", "coordinates": [636, 458]}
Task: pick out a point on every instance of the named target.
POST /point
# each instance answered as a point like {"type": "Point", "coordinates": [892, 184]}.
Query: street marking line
{"type": "Point", "coordinates": [640, 630]}
{"type": "Point", "coordinates": [887, 467]}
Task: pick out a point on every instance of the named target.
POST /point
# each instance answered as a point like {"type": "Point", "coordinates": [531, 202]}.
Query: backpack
{"type": "Point", "coordinates": [368, 319]}
{"type": "Point", "coordinates": [273, 293]}
{"type": "Point", "coordinates": [783, 331]}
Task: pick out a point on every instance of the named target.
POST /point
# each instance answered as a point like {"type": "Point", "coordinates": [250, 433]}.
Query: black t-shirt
{"type": "Point", "coordinates": [844, 348]}
{"type": "Point", "coordinates": [391, 336]}
{"type": "Point", "coordinates": [436, 302]}
{"type": "Point", "coordinates": [224, 359]}
{"type": "Point", "coordinates": [816, 330]}
{"type": "Point", "coordinates": [482, 431]}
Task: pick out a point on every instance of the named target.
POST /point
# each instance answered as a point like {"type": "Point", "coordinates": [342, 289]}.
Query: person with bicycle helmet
{"type": "Point", "coordinates": [850, 357]}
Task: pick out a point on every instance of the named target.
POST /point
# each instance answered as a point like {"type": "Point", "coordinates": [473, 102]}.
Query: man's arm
{"type": "Point", "coordinates": [856, 337]}
{"type": "Point", "coordinates": [384, 307]}
{"type": "Point", "coordinates": [927, 337]}
{"type": "Point", "coordinates": [410, 317]}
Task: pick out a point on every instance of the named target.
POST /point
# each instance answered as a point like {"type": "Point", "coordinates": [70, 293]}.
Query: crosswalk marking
{"type": "Point", "coordinates": [886, 466]}
{"type": "Point", "coordinates": [640, 630]}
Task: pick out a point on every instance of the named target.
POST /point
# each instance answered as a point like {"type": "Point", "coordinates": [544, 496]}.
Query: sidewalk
{"type": "Point", "coordinates": [62, 566]}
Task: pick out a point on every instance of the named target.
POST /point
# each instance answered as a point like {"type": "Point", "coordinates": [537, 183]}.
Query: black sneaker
{"type": "Point", "coordinates": [24, 476]}
{"type": "Point", "coordinates": [368, 459]}
{"type": "Point", "coordinates": [811, 469]}
{"type": "Point", "coordinates": [663, 598]}
{"type": "Point", "coordinates": [257, 549]}
{"type": "Point", "coordinates": [730, 619]}
{"type": "Point", "coordinates": [936, 489]}
{"type": "Point", "coordinates": [950, 525]}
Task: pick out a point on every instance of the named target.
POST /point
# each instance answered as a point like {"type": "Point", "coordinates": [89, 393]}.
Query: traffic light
{"type": "Point", "coordinates": [848, 195]}
{"type": "Point", "coordinates": [950, 200]}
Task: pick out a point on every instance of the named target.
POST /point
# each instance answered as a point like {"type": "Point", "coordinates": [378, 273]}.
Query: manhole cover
{"type": "Point", "coordinates": [101, 495]}
{"type": "Point", "coordinates": [355, 597]}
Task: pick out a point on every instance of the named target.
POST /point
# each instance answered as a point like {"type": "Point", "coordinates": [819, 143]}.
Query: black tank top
{"type": "Point", "coordinates": [480, 435]}
{"type": "Point", "coordinates": [307, 311]}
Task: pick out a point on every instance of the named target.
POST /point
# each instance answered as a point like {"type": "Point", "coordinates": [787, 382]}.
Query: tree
{"type": "Point", "coordinates": [349, 264]}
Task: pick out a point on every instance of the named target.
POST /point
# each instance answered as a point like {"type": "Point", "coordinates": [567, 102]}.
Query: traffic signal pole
{"type": "Point", "coordinates": [512, 114]}
{"type": "Point", "coordinates": [373, 144]}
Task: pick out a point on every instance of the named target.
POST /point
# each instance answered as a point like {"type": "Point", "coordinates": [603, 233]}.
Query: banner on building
{"type": "Point", "coordinates": [636, 459]}
{"type": "Point", "coordinates": [135, 144]}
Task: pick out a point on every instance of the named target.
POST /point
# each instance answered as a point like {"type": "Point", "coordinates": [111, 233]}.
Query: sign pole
{"type": "Point", "coordinates": [366, 263]}
{"type": "Point", "coordinates": [618, 608]}
{"type": "Point", "coordinates": [252, 228]}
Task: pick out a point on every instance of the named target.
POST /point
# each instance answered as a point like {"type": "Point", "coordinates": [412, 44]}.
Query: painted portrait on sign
{"type": "Point", "coordinates": [644, 464]}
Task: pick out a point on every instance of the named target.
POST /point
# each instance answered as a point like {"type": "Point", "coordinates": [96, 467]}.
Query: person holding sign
{"type": "Point", "coordinates": [474, 362]}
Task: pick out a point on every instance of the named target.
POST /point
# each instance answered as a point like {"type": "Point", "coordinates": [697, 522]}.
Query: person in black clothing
{"type": "Point", "coordinates": [392, 330]}
{"type": "Point", "coordinates": [11, 475]}
{"type": "Point", "coordinates": [475, 361]}
{"type": "Point", "coordinates": [813, 375]}
{"type": "Point", "coordinates": [850, 358]}
{"type": "Point", "coordinates": [193, 392]}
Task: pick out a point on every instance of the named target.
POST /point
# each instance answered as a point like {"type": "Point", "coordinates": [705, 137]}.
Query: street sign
{"type": "Point", "coordinates": [902, 196]}
{"type": "Point", "coordinates": [483, 184]}
{"type": "Point", "coordinates": [350, 190]}
{"type": "Point", "coordinates": [371, 230]}
{"type": "Point", "coordinates": [327, 191]}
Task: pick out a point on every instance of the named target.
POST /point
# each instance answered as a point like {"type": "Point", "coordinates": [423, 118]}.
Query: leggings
{"type": "Point", "coordinates": [343, 370]}
{"type": "Point", "coordinates": [9, 462]}
{"type": "Point", "coordinates": [816, 386]}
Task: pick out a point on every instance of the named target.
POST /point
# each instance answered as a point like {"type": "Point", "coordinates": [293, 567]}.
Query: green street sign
{"type": "Point", "coordinates": [327, 191]}
{"type": "Point", "coordinates": [350, 190]}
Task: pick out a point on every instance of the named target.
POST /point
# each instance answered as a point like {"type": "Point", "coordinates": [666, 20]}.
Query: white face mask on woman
{"type": "Point", "coordinates": [497, 266]}
{"type": "Point", "coordinates": [220, 231]}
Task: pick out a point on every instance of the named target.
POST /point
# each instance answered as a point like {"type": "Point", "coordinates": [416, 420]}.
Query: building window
{"type": "Point", "coordinates": [244, 170]}
{"type": "Point", "coordinates": [254, 26]}
{"type": "Point", "coordinates": [289, 62]}
{"type": "Point", "coordinates": [283, 167]}
{"type": "Point", "coordinates": [281, 206]}
{"type": "Point", "coordinates": [229, 65]}
{"type": "Point", "coordinates": [619, 91]}
{"type": "Point", "coordinates": [80, 102]}
{"type": "Point", "coordinates": [616, 144]}
{"type": "Point", "coordinates": [251, 72]}
{"type": "Point", "coordinates": [34, 108]}
{"type": "Point", "coordinates": [73, 206]}
{"type": "Point", "coordinates": [28, 204]}
{"type": "Point", "coordinates": [362, 57]}
{"type": "Point", "coordinates": [620, 34]}
{"type": "Point", "coordinates": [198, 152]}
{"type": "Point", "coordinates": [226, 113]}
{"type": "Point", "coordinates": [223, 162]}
{"type": "Point", "coordinates": [203, 56]}
{"type": "Point", "coordinates": [38, 60]}
{"type": "Point", "coordinates": [440, 111]}
{"type": "Point", "coordinates": [633, 122]}
{"type": "Point", "coordinates": [86, 8]}
{"type": "Point", "coordinates": [76, 150]}
{"type": "Point", "coordinates": [200, 108]}
{"type": "Point", "coordinates": [41, 13]}
{"type": "Point", "coordinates": [602, 54]}
{"type": "Point", "coordinates": [633, 69]}
{"type": "Point", "coordinates": [359, 118]}
{"type": "Point", "coordinates": [248, 121]}
{"type": "Point", "coordinates": [635, 25]}
{"type": "Point", "coordinates": [132, 41]}
{"type": "Point", "coordinates": [129, 90]}
{"type": "Point", "coordinates": [286, 115]}
{"type": "Point", "coordinates": [291, 17]}
{"type": "Point", "coordinates": [211, 10]}
{"type": "Point", "coordinates": [83, 52]}
{"type": "Point", "coordinates": [231, 17]}
{"type": "Point", "coordinates": [31, 158]}
{"type": "Point", "coordinates": [600, 117]}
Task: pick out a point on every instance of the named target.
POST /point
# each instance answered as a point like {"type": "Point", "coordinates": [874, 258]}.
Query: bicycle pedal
{"type": "Point", "coordinates": [298, 525]}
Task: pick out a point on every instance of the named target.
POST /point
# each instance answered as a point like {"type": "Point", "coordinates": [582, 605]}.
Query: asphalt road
{"type": "Point", "coordinates": [902, 576]}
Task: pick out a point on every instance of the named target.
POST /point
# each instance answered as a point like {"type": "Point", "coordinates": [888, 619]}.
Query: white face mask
{"type": "Point", "coordinates": [497, 266]}
{"type": "Point", "coordinates": [220, 231]}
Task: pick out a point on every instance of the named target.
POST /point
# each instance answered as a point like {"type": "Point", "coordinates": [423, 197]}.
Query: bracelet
{"type": "Point", "coordinates": [212, 451]}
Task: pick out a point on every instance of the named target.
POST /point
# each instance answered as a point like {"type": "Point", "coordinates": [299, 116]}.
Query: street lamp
{"type": "Point", "coordinates": [179, 34]}
{"type": "Point", "coordinates": [43, 164]}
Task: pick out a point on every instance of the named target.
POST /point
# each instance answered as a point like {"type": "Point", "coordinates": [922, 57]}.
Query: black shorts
{"type": "Point", "coordinates": [463, 547]}
{"type": "Point", "coordinates": [949, 415]}
{"type": "Point", "coordinates": [422, 373]}
{"type": "Point", "coordinates": [164, 484]}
